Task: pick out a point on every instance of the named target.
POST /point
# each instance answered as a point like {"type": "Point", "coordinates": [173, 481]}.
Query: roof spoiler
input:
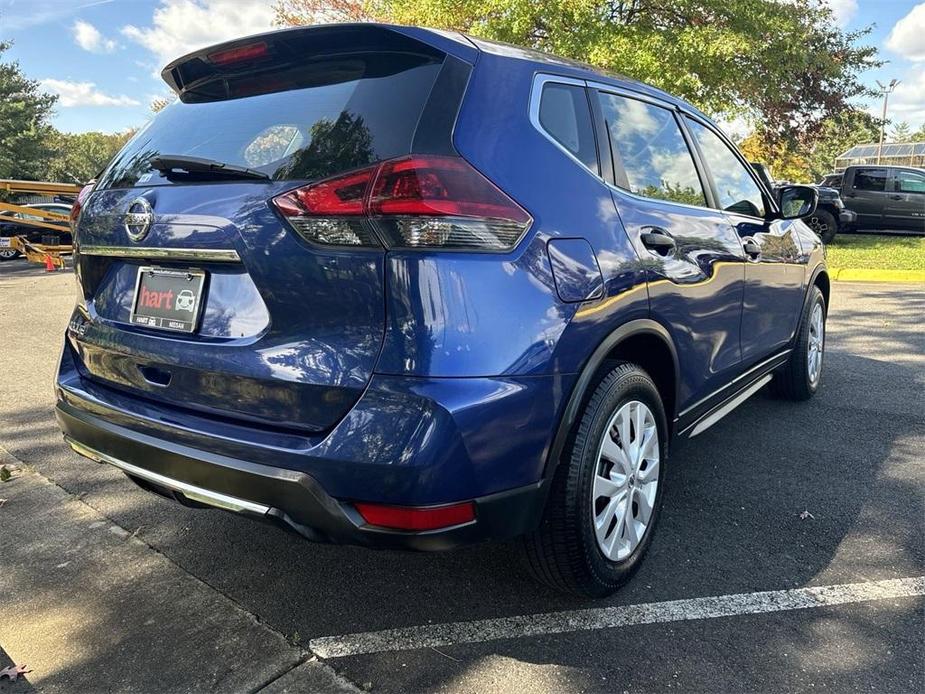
{"type": "Point", "coordinates": [208, 73]}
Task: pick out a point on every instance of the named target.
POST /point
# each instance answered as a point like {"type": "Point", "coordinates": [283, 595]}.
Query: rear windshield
{"type": "Point", "coordinates": [322, 118]}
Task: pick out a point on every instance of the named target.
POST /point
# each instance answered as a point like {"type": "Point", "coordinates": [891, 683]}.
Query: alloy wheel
{"type": "Point", "coordinates": [625, 482]}
{"type": "Point", "coordinates": [815, 344]}
{"type": "Point", "coordinates": [819, 226]}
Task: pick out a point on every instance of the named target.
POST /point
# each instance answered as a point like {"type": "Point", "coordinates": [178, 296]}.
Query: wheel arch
{"type": "Point", "coordinates": [644, 342]}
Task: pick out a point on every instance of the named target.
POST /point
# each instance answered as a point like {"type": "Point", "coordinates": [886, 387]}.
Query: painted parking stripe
{"type": "Point", "coordinates": [434, 635]}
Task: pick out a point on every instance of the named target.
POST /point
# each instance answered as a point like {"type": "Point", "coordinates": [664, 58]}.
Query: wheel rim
{"type": "Point", "coordinates": [818, 225]}
{"type": "Point", "coordinates": [816, 344]}
{"type": "Point", "coordinates": [7, 253]}
{"type": "Point", "coordinates": [625, 480]}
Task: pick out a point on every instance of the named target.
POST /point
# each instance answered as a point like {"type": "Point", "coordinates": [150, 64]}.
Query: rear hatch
{"type": "Point", "coordinates": [197, 291]}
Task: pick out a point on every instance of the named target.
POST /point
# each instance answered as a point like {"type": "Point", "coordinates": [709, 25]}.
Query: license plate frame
{"type": "Point", "coordinates": [170, 286]}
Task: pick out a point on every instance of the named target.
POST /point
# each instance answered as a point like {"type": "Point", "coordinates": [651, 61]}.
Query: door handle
{"type": "Point", "coordinates": [751, 248]}
{"type": "Point", "coordinates": [896, 197]}
{"type": "Point", "coordinates": [657, 240]}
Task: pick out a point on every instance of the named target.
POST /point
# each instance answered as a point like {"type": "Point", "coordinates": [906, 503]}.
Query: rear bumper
{"type": "Point", "coordinates": [419, 443]}
{"type": "Point", "coordinates": [294, 499]}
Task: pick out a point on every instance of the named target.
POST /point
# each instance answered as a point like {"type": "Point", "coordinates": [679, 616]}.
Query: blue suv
{"type": "Point", "coordinates": [404, 288]}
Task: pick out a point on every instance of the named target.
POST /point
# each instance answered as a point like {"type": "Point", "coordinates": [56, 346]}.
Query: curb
{"type": "Point", "coordinates": [869, 275]}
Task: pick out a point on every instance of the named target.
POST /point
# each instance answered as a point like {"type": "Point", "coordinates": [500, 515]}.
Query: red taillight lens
{"type": "Point", "coordinates": [442, 187]}
{"type": "Point", "coordinates": [413, 202]}
{"type": "Point", "coordinates": [239, 54]}
{"type": "Point", "coordinates": [78, 205]}
{"type": "Point", "coordinates": [415, 518]}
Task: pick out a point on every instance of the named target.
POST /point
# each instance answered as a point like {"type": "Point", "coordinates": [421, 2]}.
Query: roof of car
{"type": "Point", "coordinates": [549, 62]}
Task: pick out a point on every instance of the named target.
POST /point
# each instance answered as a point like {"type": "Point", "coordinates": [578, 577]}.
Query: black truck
{"type": "Point", "coordinates": [884, 198]}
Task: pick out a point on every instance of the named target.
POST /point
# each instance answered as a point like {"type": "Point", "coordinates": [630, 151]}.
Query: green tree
{"type": "Point", "coordinates": [24, 128]}
{"type": "Point", "coordinates": [785, 65]}
{"type": "Point", "coordinates": [901, 132]}
{"type": "Point", "coordinates": [76, 158]}
{"type": "Point", "coordinates": [837, 135]}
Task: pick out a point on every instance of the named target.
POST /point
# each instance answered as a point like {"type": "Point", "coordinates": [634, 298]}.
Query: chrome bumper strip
{"type": "Point", "coordinates": [190, 491]}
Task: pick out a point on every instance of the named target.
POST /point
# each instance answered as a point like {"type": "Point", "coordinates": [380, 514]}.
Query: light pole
{"type": "Point", "coordinates": [886, 90]}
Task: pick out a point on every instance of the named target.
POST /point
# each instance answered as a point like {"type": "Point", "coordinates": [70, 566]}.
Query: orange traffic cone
{"type": "Point", "coordinates": [49, 264]}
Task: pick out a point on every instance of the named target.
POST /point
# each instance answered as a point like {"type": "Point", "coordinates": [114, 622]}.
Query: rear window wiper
{"type": "Point", "coordinates": [196, 167]}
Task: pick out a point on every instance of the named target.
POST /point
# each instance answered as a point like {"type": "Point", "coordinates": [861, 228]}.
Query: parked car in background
{"type": "Point", "coordinates": [885, 198]}
{"type": "Point", "coordinates": [427, 290]}
{"type": "Point", "coordinates": [11, 225]}
{"type": "Point", "coordinates": [830, 216]}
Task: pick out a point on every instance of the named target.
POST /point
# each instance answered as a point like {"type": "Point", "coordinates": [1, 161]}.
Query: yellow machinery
{"type": "Point", "coordinates": [51, 255]}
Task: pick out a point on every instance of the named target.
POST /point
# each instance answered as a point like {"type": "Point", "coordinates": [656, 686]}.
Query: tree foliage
{"type": "Point", "coordinates": [783, 64]}
{"type": "Point", "coordinates": [77, 158]}
{"type": "Point", "coordinates": [901, 132]}
{"type": "Point", "coordinates": [24, 128]}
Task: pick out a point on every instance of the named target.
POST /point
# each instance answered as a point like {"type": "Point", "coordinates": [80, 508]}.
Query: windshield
{"type": "Point", "coordinates": [356, 110]}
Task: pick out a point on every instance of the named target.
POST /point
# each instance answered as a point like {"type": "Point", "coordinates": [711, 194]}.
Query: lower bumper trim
{"type": "Point", "coordinates": [191, 491]}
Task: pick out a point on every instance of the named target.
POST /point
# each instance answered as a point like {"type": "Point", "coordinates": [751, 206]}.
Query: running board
{"type": "Point", "coordinates": [717, 415]}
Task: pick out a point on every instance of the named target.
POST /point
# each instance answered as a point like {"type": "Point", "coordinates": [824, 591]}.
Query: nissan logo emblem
{"type": "Point", "coordinates": [138, 219]}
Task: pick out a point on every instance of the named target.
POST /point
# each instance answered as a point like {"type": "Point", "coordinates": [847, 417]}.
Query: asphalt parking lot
{"type": "Point", "coordinates": [777, 497]}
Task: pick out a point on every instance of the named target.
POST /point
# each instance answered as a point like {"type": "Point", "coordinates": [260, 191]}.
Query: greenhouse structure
{"type": "Point", "coordinates": [893, 154]}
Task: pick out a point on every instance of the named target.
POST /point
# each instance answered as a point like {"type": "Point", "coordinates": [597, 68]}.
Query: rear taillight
{"type": "Point", "coordinates": [413, 202]}
{"type": "Point", "coordinates": [78, 205]}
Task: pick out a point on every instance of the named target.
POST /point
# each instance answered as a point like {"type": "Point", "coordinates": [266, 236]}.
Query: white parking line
{"type": "Point", "coordinates": [433, 635]}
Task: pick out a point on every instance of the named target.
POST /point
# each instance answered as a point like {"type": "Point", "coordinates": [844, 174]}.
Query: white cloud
{"type": "Point", "coordinates": [844, 11]}
{"type": "Point", "coordinates": [84, 94]}
{"type": "Point", "coordinates": [907, 102]}
{"type": "Point", "coordinates": [908, 36]}
{"type": "Point", "coordinates": [90, 39]}
{"type": "Point", "coordinates": [181, 26]}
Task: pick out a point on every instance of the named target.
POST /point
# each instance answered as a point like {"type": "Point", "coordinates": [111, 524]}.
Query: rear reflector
{"type": "Point", "coordinates": [239, 54]}
{"type": "Point", "coordinates": [412, 202]}
{"type": "Point", "coordinates": [416, 518]}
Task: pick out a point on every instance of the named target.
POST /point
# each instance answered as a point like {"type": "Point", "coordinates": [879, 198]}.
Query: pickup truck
{"type": "Point", "coordinates": [885, 198]}
{"type": "Point", "coordinates": [830, 215]}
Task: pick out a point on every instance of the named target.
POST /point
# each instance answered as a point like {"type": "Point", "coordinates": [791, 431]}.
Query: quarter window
{"type": "Point", "coordinates": [566, 117]}
{"type": "Point", "coordinates": [870, 179]}
{"type": "Point", "coordinates": [736, 189]}
{"type": "Point", "coordinates": [909, 182]}
{"type": "Point", "coordinates": [647, 142]}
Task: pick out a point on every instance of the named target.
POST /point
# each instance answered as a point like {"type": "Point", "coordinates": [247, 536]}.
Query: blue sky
{"type": "Point", "coordinates": [103, 56]}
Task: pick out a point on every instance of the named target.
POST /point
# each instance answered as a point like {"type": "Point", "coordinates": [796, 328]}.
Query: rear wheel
{"type": "Point", "coordinates": [824, 224]}
{"type": "Point", "coordinates": [607, 490]}
{"type": "Point", "coordinates": [799, 378]}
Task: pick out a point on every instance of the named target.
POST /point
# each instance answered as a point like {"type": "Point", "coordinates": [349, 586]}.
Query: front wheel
{"type": "Point", "coordinates": [824, 224]}
{"type": "Point", "coordinates": [8, 254]}
{"type": "Point", "coordinates": [799, 378]}
{"type": "Point", "coordinates": [607, 490]}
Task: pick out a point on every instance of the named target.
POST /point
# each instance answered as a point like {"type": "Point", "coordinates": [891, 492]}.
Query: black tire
{"type": "Point", "coordinates": [563, 552]}
{"type": "Point", "coordinates": [792, 381]}
{"type": "Point", "coordinates": [8, 254]}
{"type": "Point", "coordinates": [824, 224]}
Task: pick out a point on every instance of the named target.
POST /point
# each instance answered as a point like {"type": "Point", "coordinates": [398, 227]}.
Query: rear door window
{"type": "Point", "coordinates": [870, 179]}
{"type": "Point", "coordinates": [566, 117]}
{"type": "Point", "coordinates": [908, 182]}
{"type": "Point", "coordinates": [650, 150]}
{"type": "Point", "coordinates": [736, 190]}
{"type": "Point", "coordinates": [328, 116]}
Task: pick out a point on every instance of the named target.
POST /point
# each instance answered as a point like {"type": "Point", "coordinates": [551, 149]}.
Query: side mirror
{"type": "Point", "coordinates": [797, 201]}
